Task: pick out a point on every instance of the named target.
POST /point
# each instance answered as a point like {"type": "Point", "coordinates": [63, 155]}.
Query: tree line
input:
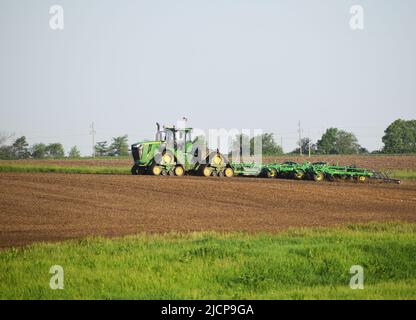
{"type": "Point", "coordinates": [399, 137]}
{"type": "Point", "coordinates": [20, 149]}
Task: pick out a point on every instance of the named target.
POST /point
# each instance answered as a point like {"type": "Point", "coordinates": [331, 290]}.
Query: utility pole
{"type": "Point", "coordinates": [92, 133]}
{"type": "Point", "coordinates": [300, 138]}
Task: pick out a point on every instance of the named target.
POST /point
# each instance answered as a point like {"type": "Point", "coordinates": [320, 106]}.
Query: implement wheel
{"type": "Point", "coordinates": [271, 173]}
{"type": "Point", "coordinates": [362, 178]}
{"type": "Point", "coordinates": [229, 172]}
{"type": "Point", "coordinates": [179, 171]}
{"type": "Point", "coordinates": [318, 176]}
{"type": "Point", "coordinates": [299, 174]}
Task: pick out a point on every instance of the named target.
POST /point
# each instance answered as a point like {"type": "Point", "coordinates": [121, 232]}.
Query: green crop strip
{"type": "Point", "coordinates": [296, 264]}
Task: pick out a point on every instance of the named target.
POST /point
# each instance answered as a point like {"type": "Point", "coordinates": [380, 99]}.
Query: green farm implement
{"type": "Point", "coordinates": [173, 152]}
{"type": "Point", "coordinates": [321, 170]}
{"type": "Point", "coordinates": [318, 171]}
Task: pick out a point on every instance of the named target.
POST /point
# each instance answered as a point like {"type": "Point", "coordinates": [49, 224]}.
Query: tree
{"type": "Point", "coordinates": [101, 149]}
{"type": "Point", "coordinates": [6, 153]}
{"type": "Point", "coordinates": [20, 148]}
{"type": "Point", "coordinates": [326, 145]}
{"type": "Point", "coordinates": [346, 143]}
{"type": "Point", "coordinates": [74, 152]}
{"type": "Point", "coordinates": [269, 146]}
{"type": "Point", "coordinates": [400, 137]}
{"type": "Point", "coordinates": [304, 144]}
{"type": "Point", "coordinates": [238, 142]}
{"type": "Point", "coordinates": [55, 150]}
{"type": "Point", "coordinates": [39, 151]}
{"type": "Point", "coordinates": [335, 141]}
{"type": "Point", "coordinates": [119, 146]}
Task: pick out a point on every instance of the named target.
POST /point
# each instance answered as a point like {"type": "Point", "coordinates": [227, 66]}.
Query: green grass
{"type": "Point", "coordinates": [41, 167]}
{"type": "Point", "coordinates": [64, 169]}
{"type": "Point", "coordinates": [297, 264]}
{"type": "Point", "coordinates": [404, 174]}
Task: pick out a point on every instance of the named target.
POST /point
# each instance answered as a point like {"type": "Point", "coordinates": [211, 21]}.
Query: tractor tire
{"type": "Point", "coordinates": [179, 171]}
{"type": "Point", "coordinates": [216, 159]}
{"type": "Point", "coordinates": [167, 158]}
{"type": "Point", "coordinates": [229, 172]}
{"type": "Point", "coordinates": [156, 170]}
{"type": "Point", "coordinates": [206, 171]}
{"type": "Point", "coordinates": [134, 170]}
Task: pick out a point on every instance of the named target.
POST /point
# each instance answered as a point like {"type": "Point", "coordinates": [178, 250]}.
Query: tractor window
{"type": "Point", "coordinates": [162, 136]}
{"type": "Point", "coordinates": [169, 137]}
{"type": "Point", "coordinates": [188, 136]}
{"type": "Point", "coordinates": [180, 135]}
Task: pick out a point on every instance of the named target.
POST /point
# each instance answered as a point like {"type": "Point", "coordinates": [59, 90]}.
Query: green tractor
{"type": "Point", "coordinates": [175, 153]}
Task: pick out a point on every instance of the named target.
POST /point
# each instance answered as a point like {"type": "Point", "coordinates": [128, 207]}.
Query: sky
{"type": "Point", "coordinates": [245, 64]}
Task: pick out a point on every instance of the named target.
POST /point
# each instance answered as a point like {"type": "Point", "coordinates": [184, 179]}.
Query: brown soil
{"type": "Point", "coordinates": [50, 207]}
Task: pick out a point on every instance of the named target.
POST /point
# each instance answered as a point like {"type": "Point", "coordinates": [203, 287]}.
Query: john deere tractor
{"type": "Point", "coordinates": [175, 153]}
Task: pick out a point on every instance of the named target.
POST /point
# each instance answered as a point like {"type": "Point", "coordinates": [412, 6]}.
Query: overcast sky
{"type": "Point", "coordinates": [223, 64]}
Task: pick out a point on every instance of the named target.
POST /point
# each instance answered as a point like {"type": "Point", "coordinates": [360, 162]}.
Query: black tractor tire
{"type": "Point", "coordinates": [134, 170]}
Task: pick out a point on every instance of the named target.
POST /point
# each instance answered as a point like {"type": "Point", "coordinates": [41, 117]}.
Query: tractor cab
{"type": "Point", "coordinates": [176, 138]}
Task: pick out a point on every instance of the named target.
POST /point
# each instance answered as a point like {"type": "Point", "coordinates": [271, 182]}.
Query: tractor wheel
{"type": "Point", "coordinates": [229, 172]}
{"type": "Point", "coordinates": [271, 173]}
{"type": "Point", "coordinates": [134, 170]}
{"type": "Point", "coordinates": [206, 171]}
{"type": "Point", "coordinates": [216, 159]}
{"type": "Point", "coordinates": [318, 176]}
{"type": "Point", "coordinates": [156, 170]}
{"type": "Point", "coordinates": [179, 171]}
{"type": "Point", "coordinates": [299, 175]}
{"type": "Point", "coordinates": [167, 158]}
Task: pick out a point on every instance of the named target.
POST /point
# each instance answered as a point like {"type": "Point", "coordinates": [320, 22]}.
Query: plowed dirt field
{"type": "Point", "coordinates": [50, 207]}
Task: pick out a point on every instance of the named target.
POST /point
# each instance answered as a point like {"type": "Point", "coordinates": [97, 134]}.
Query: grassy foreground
{"type": "Point", "coordinates": [297, 264]}
{"type": "Point", "coordinates": [84, 169]}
